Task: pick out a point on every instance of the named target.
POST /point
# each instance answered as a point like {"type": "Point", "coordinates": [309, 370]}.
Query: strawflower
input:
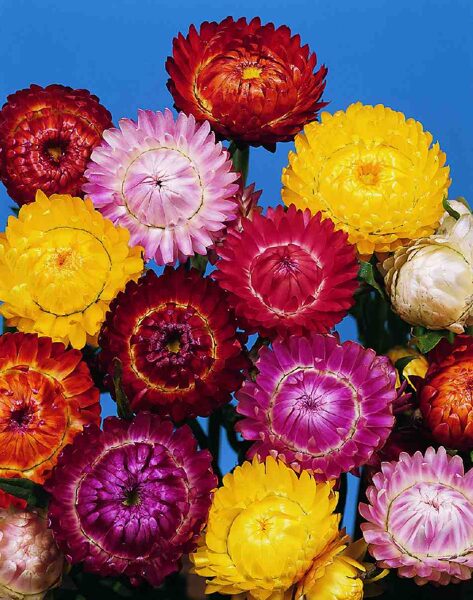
{"type": "Point", "coordinates": [288, 272]}
{"type": "Point", "coordinates": [30, 562]}
{"type": "Point", "coordinates": [372, 172]}
{"type": "Point", "coordinates": [46, 397]}
{"type": "Point", "coordinates": [445, 395]}
{"type": "Point", "coordinates": [46, 138]}
{"type": "Point", "coordinates": [176, 339]}
{"type": "Point", "coordinates": [265, 528]}
{"type": "Point", "coordinates": [318, 404]}
{"type": "Point", "coordinates": [131, 499]}
{"type": "Point", "coordinates": [420, 517]}
{"type": "Point", "coordinates": [167, 181]}
{"type": "Point", "coordinates": [61, 263]}
{"type": "Point", "coordinates": [254, 83]}
{"type": "Point", "coordinates": [430, 281]}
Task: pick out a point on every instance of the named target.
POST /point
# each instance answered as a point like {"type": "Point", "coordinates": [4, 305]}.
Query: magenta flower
{"type": "Point", "coordinates": [131, 499]}
{"type": "Point", "coordinates": [318, 404]}
{"type": "Point", "coordinates": [420, 517]}
{"type": "Point", "coordinates": [166, 181]}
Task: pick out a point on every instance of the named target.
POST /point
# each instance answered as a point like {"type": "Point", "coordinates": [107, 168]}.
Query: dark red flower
{"type": "Point", "coordinates": [288, 272]}
{"type": "Point", "coordinates": [176, 339]}
{"type": "Point", "coordinates": [46, 138]}
{"type": "Point", "coordinates": [253, 83]}
{"type": "Point", "coordinates": [446, 393]}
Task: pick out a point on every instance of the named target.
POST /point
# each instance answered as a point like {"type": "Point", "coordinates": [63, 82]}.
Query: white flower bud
{"type": "Point", "coordinates": [430, 281]}
{"type": "Point", "coordinates": [447, 221]}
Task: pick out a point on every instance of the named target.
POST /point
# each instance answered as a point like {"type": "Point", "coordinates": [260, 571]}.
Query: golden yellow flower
{"type": "Point", "coordinates": [335, 575]}
{"type": "Point", "coordinates": [61, 263]}
{"type": "Point", "coordinates": [375, 174]}
{"type": "Point", "coordinates": [266, 527]}
{"type": "Point", "coordinates": [418, 365]}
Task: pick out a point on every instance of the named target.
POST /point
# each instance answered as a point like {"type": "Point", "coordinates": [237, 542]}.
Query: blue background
{"type": "Point", "coordinates": [412, 55]}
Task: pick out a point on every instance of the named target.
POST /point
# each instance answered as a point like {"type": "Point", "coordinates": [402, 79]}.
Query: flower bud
{"type": "Point", "coordinates": [430, 281]}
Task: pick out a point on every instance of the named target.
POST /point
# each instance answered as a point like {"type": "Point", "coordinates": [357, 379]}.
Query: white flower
{"type": "Point", "coordinates": [430, 281]}
{"type": "Point", "coordinates": [447, 221]}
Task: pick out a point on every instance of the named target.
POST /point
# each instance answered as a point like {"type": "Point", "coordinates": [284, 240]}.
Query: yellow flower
{"type": "Point", "coordinates": [265, 528]}
{"type": "Point", "coordinates": [372, 172]}
{"type": "Point", "coordinates": [61, 263]}
{"type": "Point", "coordinates": [335, 575]}
{"type": "Point", "coordinates": [418, 365]}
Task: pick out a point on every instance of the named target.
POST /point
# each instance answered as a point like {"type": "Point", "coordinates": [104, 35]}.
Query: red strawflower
{"type": "Point", "coordinates": [252, 82]}
{"type": "Point", "coordinates": [176, 339]}
{"type": "Point", "coordinates": [288, 272]}
{"type": "Point", "coordinates": [446, 393]}
{"type": "Point", "coordinates": [46, 138]}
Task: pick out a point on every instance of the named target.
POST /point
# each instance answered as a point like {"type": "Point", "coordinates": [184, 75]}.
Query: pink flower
{"type": "Point", "coordinates": [420, 517]}
{"type": "Point", "coordinates": [166, 181]}
{"type": "Point", "coordinates": [318, 405]}
{"type": "Point", "coordinates": [30, 562]}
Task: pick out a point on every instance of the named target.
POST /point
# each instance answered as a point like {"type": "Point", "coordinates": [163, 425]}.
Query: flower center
{"type": "Point", "coordinates": [162, 188]}
{"type": "Point", "coordinates": [173, 343]}
{"type": "Point", "coordinates": [251, 72]}
{"type": "Point", "coordinates": [132, 497]}
{"type": "Point", "coordinates": [21, 417]}
{"type": "Point", "coordinates": [428, 519]}
{"type": "Point", "coordinates": [55, 151]}
{"type": "Point", "coordinates": [314, 411]}
{"type": "Point", "coordinates": [286, 278]}
{"type": "Point", "coordinates": [368, 173]}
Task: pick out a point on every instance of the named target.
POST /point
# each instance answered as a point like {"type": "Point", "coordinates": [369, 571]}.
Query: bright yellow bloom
{"type": "Point", "coordinates": [372, 172]}
{"type": "Point", "coordinates": [418, 365]}
{"type": "Point", "coordinates": [334, 576]}
{"type": "Point", "coordinates": [266, 527]}
{"type": "Point", "coordinates": [61, 263]}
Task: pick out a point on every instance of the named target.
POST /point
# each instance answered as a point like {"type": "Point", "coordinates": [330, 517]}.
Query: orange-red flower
{"type": "Point", "coordinates": [46, 398]}
{"type": "Point", "coordinates": [253, 83]}
{"type": "Point", "coordinates": [46, 138]}
{"type": "Point", "coordinates": [446, 393]}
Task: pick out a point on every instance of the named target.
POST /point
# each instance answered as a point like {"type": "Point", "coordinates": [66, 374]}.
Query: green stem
{"type": "Point", "coordinates": [342, 493]}
{"type": "Point", "coordinates": [240, 155]}
{"type": "Point", "coordinates": [214, 441]}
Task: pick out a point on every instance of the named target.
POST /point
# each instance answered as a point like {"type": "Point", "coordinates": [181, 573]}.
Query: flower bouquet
{"type": "Point", "coordinates": [140, 262]}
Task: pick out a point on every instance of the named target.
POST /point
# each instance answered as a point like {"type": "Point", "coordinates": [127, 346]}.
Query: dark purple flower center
{"type": "Point", "coordinates": [21, 417]}
{"type": "Point", "coordinates": [55, 150]}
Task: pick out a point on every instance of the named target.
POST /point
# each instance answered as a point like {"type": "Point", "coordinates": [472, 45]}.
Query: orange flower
{"type": "Point", "coordinates": [46, 397]}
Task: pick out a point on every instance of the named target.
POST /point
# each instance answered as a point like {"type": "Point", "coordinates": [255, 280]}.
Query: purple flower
{"type": "Point", "coordinates": [131, 499]}
{"type": "Point", "coordinates": [318, 404]}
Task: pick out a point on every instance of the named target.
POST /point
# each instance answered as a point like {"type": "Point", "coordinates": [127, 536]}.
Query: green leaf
{"type": "Point", "coordinates": [429, 340]}
{"type": "Point", "coordinates": [123, 406]}
{"type": "Point", "coordinates": [199, 262]}
{"type": "Point", "coordinates": [367, 273]}
{"type": "Point", "coordinates": [451, 211]}
{"type": "Point", "coordinates": [34, 494]}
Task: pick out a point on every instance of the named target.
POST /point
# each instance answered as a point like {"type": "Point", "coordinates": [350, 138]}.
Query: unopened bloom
{"type": "Point", "coordinates": [177, 342]}
{"type": "Point", "coordinates": [61, 263]}
{"type": "Point", "coordinates": [288, 272]}
{"type": "Point", "coordinates": [445, 394]}
{"type": "Point", "coordinates": [46, 138]}
{"type": "Point", "coordinates": [318, 404]}
{"type": "Point", "coordinates": [30, 562]}
{"type": "Point", "coordinates": [167, 181]}
{"type": "Point", "coordinates": [372, 172]}
{"type": "Point", "coordinates": [430, 281]}
{"type": "Point", "coordinates": [131, 499]}
{"type": "Point", "coordinates": [252, 82]}
{"type": "Point", "coordinates": [265, 528]}
{"type": "Point", "coordinates": [447, 222]}
{"type": "Point", "coordinates": [46, 397]}
{"type": "Point", "coordinates": [420, 517]}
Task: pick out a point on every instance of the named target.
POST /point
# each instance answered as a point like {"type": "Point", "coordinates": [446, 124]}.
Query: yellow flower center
{"type": "Point", "coordinates": [55, 152]}
{"type": "Point", "coordinates": [368, 173]}
{"type": "Point", "coordinates": [174, 344]}
{"type": "Point", "coordinates": [251, 73]}
{"type": "Point", "coordinates": [70, 269]}
{"type": "Point", "coordinates": [274, 522]}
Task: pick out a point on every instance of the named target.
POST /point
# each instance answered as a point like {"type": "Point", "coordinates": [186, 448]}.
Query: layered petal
{"type": "Point", "coordinates": [46, 138]}
{"type": "Point", "coordinates": [254, 83]}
